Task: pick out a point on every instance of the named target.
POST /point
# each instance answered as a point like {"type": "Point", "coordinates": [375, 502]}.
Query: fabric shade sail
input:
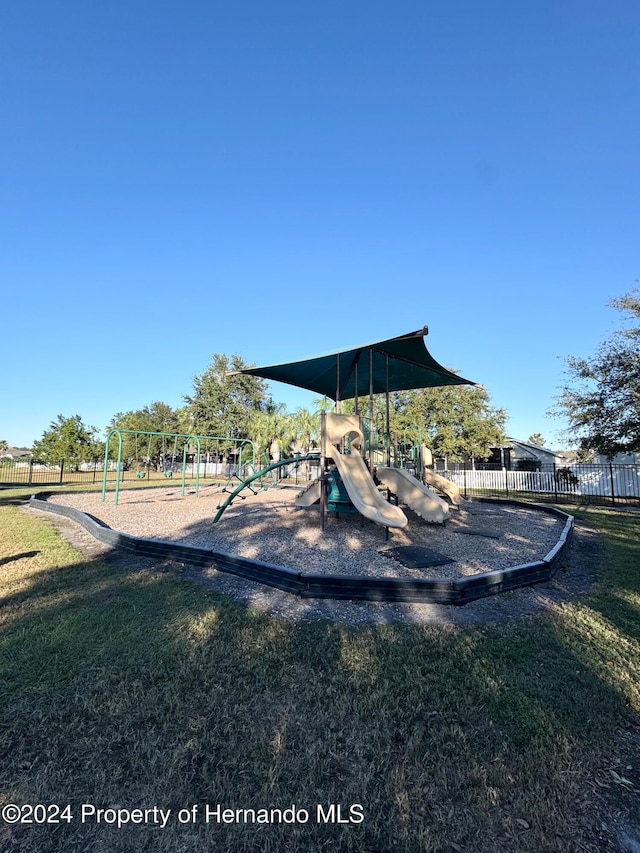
{"type": "Point", "coordinates": [398, 364]}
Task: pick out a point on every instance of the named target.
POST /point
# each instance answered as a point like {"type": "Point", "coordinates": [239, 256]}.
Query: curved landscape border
{"type": "Point", "coordinates": [457, 591]}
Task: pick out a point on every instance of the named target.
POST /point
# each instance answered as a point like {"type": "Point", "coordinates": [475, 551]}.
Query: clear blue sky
{"type": "Point", "coordinates": [282, 179]}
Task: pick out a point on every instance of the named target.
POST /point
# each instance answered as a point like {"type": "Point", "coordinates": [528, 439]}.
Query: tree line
{"type": "Point", "coordinates": [601, 401]}
{"type": "Point", "coordinates": [456, 422]}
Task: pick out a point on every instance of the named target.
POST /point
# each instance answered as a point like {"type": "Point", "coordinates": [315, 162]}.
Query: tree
{"type": "Point", "coordinates": [222, 405]}
{"type": "Point", "coordinates": [457, 421]}
{"type": "Point", "coordinates": [71, 440]}
{"type": "Point", "coordinates": [536, 439]}
{"type": "Point", "coordinates": [602, 397]}
{"type": "Point", "coordinates": [3, 445]}
{"type": "Point", "coordinates": [158, 417]}
{"type": "Point", "coordinates": [272, 430]}
{"type": "Point", "coordinates": [306, 428]}
{"type": "Point", "coordinates": [306, 433]}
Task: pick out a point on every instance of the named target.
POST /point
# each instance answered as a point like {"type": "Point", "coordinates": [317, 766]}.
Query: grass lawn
{"type": "Point", "coordinates": [131, 689]}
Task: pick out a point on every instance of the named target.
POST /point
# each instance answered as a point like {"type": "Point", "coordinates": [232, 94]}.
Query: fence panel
{"type": "Point", "coordinates": [28, 472]}
{"type": "Point", "coordinates": [611, 485]}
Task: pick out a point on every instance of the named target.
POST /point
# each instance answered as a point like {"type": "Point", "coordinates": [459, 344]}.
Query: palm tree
{"type": "Point", "coordinates": [307, 429]}
{"type": "Point", "coordinates": [306, 426]}
{"type": "Point", "coordinates": [271, 430]}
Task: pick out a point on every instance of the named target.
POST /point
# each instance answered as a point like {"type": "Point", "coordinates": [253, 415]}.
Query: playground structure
{"type": "Point", "coordinates": [349, 459]}
{"type": "Point", "coordinates": [342, 444]}
{"type": "Point", "coordinates": [348, 467]}
{"type": "Point", "coordinates": [354, 474]}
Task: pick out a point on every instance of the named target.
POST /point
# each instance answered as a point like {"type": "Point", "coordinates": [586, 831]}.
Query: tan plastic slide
{"type": "Point", "coordinates": [363, 491]}
{"type": "Point", "coordinates": [450, 489]}
{"type": "Point", "coordinates": [411, 492]}
{"type": "Point", "coordinates": [310, 496]}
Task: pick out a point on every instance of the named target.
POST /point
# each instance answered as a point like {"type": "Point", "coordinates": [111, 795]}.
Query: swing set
{"type": "Point", "coordinates": [142, 473]}
{"type": "Point", "coordinates": [168, 460]}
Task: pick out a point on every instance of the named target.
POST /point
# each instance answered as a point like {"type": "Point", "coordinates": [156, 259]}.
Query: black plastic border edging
{"type": "Point", "coordinates": [502, 580]}
{"type": "Point", "coordinates": [420, 590]}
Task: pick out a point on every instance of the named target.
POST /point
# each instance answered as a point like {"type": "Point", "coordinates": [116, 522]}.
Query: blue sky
{"type": "Point", "coordinates": [285, 179]}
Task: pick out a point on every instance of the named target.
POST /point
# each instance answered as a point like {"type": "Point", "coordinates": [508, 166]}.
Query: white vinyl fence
{"type": "Point", "coordinates": [610, 483]}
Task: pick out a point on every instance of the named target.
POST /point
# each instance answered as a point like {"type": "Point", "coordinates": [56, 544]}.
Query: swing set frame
{"type": "Point", "coordinates": [240, 444]}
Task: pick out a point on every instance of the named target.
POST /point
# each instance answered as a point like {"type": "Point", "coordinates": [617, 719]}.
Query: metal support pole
{"type": "Point", "coordinates": [356, 386]}
{"type": "Point", "coordinates": [613, 494]}
{"type": "Point", "coordinates": [184, 464]}
{"type": "Point", "coordinates": [118, 465]}
{"type": "Point", "coordinates": [104, 469]}
{"type": "Point", "coordinates": [387, 433]}
{"type": "Point", "coordinates": [198, 468]}
{"type": "Point", "coordinates": [323, 483]}
{"type": "Point", "coordinates": [371, 410]}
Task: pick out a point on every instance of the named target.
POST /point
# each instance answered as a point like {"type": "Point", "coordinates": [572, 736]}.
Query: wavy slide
{"type": "Point", "coordinates": [411, 492]}
{"type": "Point", "coordinates": [363, 491]}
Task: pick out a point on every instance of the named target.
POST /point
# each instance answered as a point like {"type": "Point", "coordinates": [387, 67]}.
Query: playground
{"type": "Point", "coordinates": [268, 527]}
{"type": "Point", "coordinates": [515, 734]}
{"type": "Point", "coordinates": [366, 527]}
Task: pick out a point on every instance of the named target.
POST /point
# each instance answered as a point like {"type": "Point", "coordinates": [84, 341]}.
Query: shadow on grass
{"type": "Point", "coordinates": [14, 557]}
{"type": "Point", "coordinates": [123, 685]}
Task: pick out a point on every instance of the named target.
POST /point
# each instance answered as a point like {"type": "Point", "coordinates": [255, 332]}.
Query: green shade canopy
{"type": "Point", "coordinates": [398, 364]}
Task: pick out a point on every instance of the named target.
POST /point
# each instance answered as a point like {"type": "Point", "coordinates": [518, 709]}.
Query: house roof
{"type": "Point", "coordinates": [533, 448]}
{"type": "Point", "coordinates": [397, 364]}
{"type": "Point", "coordinates": [14, 452]}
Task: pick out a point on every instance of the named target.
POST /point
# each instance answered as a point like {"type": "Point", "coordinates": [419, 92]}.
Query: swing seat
{"type": "Point", "coordinates": [141, 475]}
{"type": "Point", "coordinates": [168, 474]}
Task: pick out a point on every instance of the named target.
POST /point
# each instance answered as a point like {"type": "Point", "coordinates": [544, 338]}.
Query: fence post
{"type": "Point", "coordinates": [506, 482]}
{"type": "Point", "coordinates": [555, 483]}
{"type": "Point", "coordinates": [30, 472]}
{"type": "Point", "coordinates": [61, 470]}
{"type": "Point", "coordinates": [613, 494]}
{"type": "Point", "coordinates": [95, 465]}
{"type": "Point", "coordinates": [464, 479]}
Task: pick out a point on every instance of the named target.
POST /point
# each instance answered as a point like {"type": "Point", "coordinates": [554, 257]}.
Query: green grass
{"type": "Point", "coordinates": [135, 689]}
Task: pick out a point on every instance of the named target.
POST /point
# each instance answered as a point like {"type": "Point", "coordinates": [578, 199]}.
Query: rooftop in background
{"type": "Point", "coordinates": [397, 364]}
{"type": "Point", "coordinates": [15, 453]}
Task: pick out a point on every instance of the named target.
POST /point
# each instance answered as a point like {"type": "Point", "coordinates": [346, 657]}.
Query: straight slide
{"type": "Point", "coordinates": [363, 492]}
{"type": "Point", "coordinates": [450, 489]}
{"type": "Point", "coordinates": [411, 492]}
{"type": "Point", "coordinates": [310, 496]}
